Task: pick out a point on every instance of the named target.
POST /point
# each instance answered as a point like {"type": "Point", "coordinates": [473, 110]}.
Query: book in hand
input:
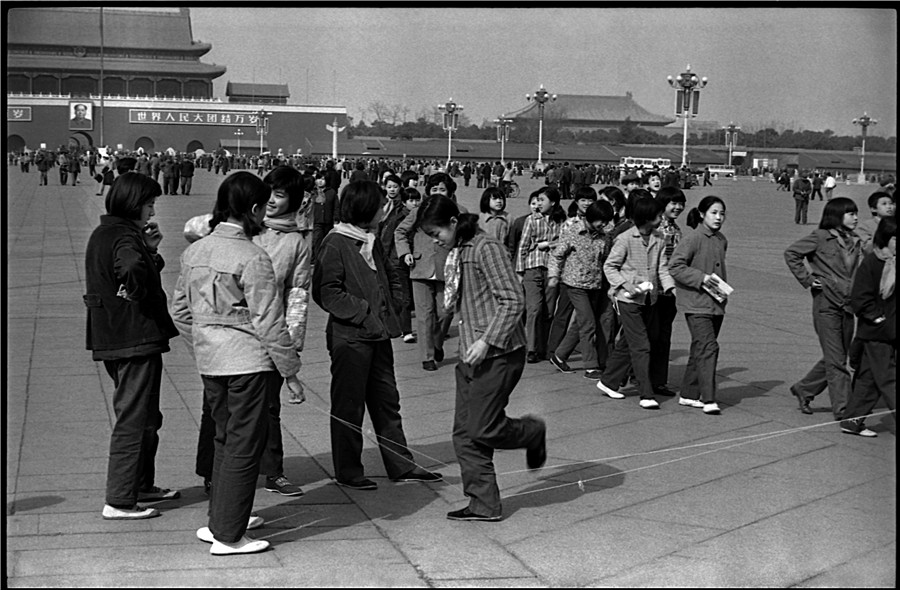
{"type": "Point", "coordinates": [717, 288]}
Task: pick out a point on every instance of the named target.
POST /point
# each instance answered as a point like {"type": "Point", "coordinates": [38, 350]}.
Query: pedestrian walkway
{"type": "Point", "coordinates": [760, 495]}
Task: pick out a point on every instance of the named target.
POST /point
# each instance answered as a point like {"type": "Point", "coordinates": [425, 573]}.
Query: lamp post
{"type": "Point", "coordinates": [863, 122]}
{"type": "Point", "coordinates": [730, 138]}
{"type": "Point", "coordinates": [262, 126]}
{"type": "Point", "coordinates": [450, 117]}
{"type": "Point", "coordinates": [238, 133]}
{"type": "Point", "coordinates": [687, 101]}
{"type": "Point", "coordinates": [540, 96]}
{"type": "Point", "coordinates": [503, 135]}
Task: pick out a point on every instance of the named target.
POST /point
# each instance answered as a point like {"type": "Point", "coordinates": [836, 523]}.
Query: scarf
{"type": "Point", "coordinates": [888, 273]}
{"type": "Point", "coordinates": [285, 223]}
{"type": "Point", "coordinates": [357, 233]}
{"type": "Point", "coordinates": [452, 273]}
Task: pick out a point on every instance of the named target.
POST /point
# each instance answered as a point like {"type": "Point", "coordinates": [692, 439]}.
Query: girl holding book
{"type": "Point", "coordinates": [698, 268]}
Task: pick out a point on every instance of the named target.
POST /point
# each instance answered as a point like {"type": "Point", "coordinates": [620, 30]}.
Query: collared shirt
{"type": "Point", "coordinates": [495, 225]}
{"type": "Point", "coordinates": [491, 300]}
{"type": "Point", "coordinates": [578, 256]}
{"type": "Point", "coordinates": [701, 253]}
{"type": "Point", "coordinates": [630, 260]}
{"type": "Point", "coordinates": [538, 228]}
{"type": "Point", "coordinates": [827, 257]}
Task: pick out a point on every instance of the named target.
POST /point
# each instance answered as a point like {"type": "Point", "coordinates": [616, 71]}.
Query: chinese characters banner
{"type": "Point", "coordinates": [180, 117]}
{"type": "Point", "coordinates": [18, 113]}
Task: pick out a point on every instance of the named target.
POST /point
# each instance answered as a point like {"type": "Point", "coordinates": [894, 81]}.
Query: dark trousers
{"type": "Point", "coordinates": [876, 376]}
{"type": "Point", "coordinates": [134, 440]}
{"type": "Point", "coordinates": [406, 305]}
{"type": "Point", "coordinates": [431, 322]}
{"type": "Point", "coordinates": [238, 404]}
{"type": "Point", "coordinates": [362, 376]}
{"type": "Point", "coordinates": [480, 425]}
{"type": "Point", "coordinates": [559, 326]}
{"type": "Point", "coordinates": [633, 350]}
{"type": "Point", "coordinates": [74, 175]}
{"type": "Point", "coordinates": [169, 185]}
{"type": "Point", "coordinates": [63, 176]}
{"type": "Point", "coordinates": [588, 304]}
{"type": "Point", "coordinates": [186, 183]}
{"type": "Point", "coordinates": [699, 381]}
{"type": "Point", "coordinates": [801, 206]}
{"type": "Point", "coordinates": [536, 306]}
{"type": "Point", "coordinates": [272, 461]}
{"type": "Point", "coordinates": [834, 327]}
{"type": "Point", "coordinates": [662, 316]}
{"type": "Point", "coordinates": [816, 191]}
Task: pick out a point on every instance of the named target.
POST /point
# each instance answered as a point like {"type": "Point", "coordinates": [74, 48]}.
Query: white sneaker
{"type": "Point", "coordinates": [608, 391]}
{"type": "Point", "coordinates": [409, 338]}
{"type": "Point", "coordinates": [712, 408]}
{"type": "Point", "coordinates": [136, 513]}
{"type": "Point", "coordinates": [244, 546]}
{"type": "Point", "coordinates": [205, 535]}
{"type": "Point", "coordinates": [649, 404]}
{"type": "Point", "coordinates": [693, 403]}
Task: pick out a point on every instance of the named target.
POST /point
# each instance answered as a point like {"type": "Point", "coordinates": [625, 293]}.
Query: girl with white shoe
{"type": "Point", "coordinates": [697, 257]}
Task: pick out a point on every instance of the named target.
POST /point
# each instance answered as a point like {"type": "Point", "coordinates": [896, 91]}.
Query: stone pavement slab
{"type": "Point", "coordinates": [761, 495]}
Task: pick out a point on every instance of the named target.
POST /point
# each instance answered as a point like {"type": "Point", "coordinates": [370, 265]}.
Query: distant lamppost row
{"type": "Point", "coordinates": [238, 133]}
{"type": "Point", "coordinates": [503, 135]}
{"type": "Point", "coordinates": [731, 138]}
{"type": "Point", "coordinates": [262, 126]}
{"type": "Point", "coordinates": [863, 122]}
{"type": "Point", "coordinates": [450, 117]}
{"type": "Point", "coordinates": [541, 96]}
{"type": "Point", "coordinates": [687, 100]}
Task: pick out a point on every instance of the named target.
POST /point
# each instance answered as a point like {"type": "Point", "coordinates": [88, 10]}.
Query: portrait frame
{"type": "Point", "coordinates": [76, 123]}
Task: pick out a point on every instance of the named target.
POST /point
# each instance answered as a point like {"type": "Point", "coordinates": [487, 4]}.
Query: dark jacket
{"type": "Point", "coordinates": [117, 260]}
{"type": "Point", "coordinates": [867, 304]}
{"type": "Point", "coordinates": [187, 169]}
{"type": "Point", "coordinates": [325, 214]}
{"type": "Point", "coordinates": [386, 231]}
{"type": "Point", "coordinates": [428, 257]}
{"type": "Point", "coordinates": [361, 304]}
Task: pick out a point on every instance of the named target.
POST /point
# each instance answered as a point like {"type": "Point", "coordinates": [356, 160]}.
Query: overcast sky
{"type": "Point", "coordinates": [809, 68]}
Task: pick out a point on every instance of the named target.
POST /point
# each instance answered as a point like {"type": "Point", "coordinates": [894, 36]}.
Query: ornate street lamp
{"type": "Point", "coordinates": [238, 133]}
{"type": "Point", "coordinates": [450, 117]}
{"type": "Point", "coordinates": [262, 126]}
{"type": "Point", "coordinates": [731, 138]}
{"type": "Point", "coordinates": [503, 135]}
{"type": "Point", "coordinates": [863, 122]}
{"type": "Point", "coordinates": [541, 96]}
{"type": "Point", "coordinates": [687, 101]}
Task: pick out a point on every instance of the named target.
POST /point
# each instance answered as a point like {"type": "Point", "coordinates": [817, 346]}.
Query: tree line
{"type": "Point", "coordinates": [391, 121]}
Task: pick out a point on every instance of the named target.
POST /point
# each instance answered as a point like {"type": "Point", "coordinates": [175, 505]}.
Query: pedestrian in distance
{"type": "Point", "coordinates": [483, 291]}
{"type": "Point", "coordinates": [697, 266]}
{"type": "Point", "coordinates": [229, 306]}
{"type": "Point", "coordinates": [394, 211]}
{"type": "Point", "coordinates": [802, 189]}
{"type": "Point", "coordinates": [128, 328]}
{"type": "Point", "coordinates": [873, 300]}
{"type": "Point", "coordinates": [824, 262]}
{"type": "Point", "coordinates": [357, 285]}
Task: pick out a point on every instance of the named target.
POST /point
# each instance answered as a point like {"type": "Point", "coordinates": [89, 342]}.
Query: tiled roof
{"type": "Point", "coordinates": [266, 90]}
{"type": "Point", "coordinates": [154, 29]}
{"type": "Point", "coordinates": [596, 109]}
{"type": "Point", "coordinates": [34, 63]}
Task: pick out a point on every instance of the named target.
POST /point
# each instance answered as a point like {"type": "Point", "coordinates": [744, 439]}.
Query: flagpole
{"type": "Point", "coordinates": [101, 78]}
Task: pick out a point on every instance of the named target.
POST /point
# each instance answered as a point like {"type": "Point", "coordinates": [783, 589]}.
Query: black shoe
{"type": "Point", "coordinates": [663, 390]}
{"type": "Point", "coordinates": [593, 374]}
{"type": "Point", "coordinates": [359, 484]}
{"type": "Point", "coordinates": [533, 358]}
{"type": "Point", "coordinates": [560, 364]}
{"type": "Point", "coordinates": [207, 484]}
{"type": "Point", "coordinates": [429, 365]}
{"type": "Point", "coordinates": [466, 514]}
{"type": "Point", "coordinates": [438, 354]}
{"type": "Point", "coordinates": [804, 403]}
{"type": "Point", "coordinates": [536, 456]}
{"type": "Point", "coordinates": [416, 475]}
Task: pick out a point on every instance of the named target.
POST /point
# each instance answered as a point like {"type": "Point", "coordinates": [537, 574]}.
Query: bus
{"type": "Point", "coordinates": [647, 163]}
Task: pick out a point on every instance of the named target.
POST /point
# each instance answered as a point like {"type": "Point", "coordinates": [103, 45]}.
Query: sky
{"type": "Point", "coordinates": [797, 68]}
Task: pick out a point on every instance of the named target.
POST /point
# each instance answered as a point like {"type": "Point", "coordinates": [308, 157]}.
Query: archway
{"type": "Point", "coordinates": [193, 146]}
{"type": "Point", "coordinates": [145, 142]}
{"type": "Point", "coordinates": [82, 138]}
{"type": "Point", "coordinates": [15, 143]}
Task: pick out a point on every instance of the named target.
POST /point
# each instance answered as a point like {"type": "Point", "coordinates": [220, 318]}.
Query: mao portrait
{"type": "Point", "coordinates": [80, 114]}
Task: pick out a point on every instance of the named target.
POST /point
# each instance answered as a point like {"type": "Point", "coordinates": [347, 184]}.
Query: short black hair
{"type": "Point", "coordinates": [833, 215]}
{"type": "Point", "coordinates": [360, 201]}
{"type": "Point", "coordinates": [644, 210]}
{"type": "Point", "coordinates": [129, 193]}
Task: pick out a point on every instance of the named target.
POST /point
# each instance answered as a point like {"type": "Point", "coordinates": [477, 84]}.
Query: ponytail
{"type": "Point", "coordinates": [694, 217]}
